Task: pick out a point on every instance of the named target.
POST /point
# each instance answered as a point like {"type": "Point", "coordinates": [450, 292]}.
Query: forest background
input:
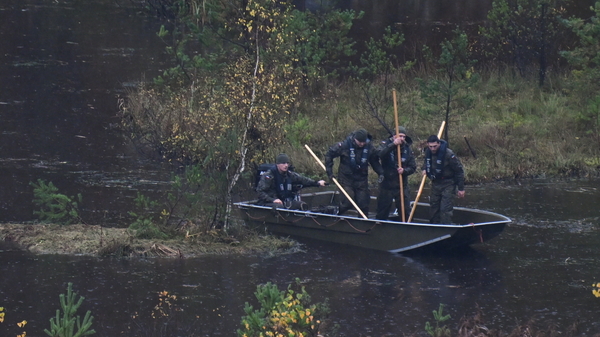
{"type": "Point", "coordinates": [254, 78]}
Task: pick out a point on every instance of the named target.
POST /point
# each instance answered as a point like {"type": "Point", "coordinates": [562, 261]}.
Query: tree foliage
{"type": "Point", "coordinates": [147, 223]}
{"type": "Point", "coordinates": [189, 205]}
{"type": "Point", "coordinates": [282, 313]}
{"type": "Point", "coordinates": [66, 324]}
{"type": "Point", "coordinates": [439, 330]}
{"type": "Point", "coordinates": [524, 32]}
{"type": "Point", "coordinates": [379, 58]}
{"type": "Point", "coordinates": [238, 70]}
{"type": "Point", "coordinates": [322, 46]}
{"type": "Point", "coordinates": [375, 76]}
{"type": "Point", "coordinates": [55, 207]}
{"type": "Point", "coordinates": [585, 60]}
{"type": "Point", "coordinates": [451, 90]}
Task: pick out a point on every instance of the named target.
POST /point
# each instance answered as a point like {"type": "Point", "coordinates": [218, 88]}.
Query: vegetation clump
{"type": "Point", "coordinates": [66, 324]}
{"type": "Point", "coordinates": [175, 227]}
{"type": "Point", "coordinates": [282, 313]}
{"type": "Point", "coordinates": [440, 329]}
{"type": "Point", "coordinates": [54, 207]}
{"type": "Point", "coordinates": [596, 290]}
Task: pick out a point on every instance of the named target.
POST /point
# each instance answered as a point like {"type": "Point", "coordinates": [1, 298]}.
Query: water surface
{"type": "Point", "coordinates": [542, 267]}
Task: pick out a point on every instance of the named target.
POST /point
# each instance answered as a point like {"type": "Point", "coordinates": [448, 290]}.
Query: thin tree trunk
{"type": "Point", "coordinates": [542, 51]}
{"type": "Point", "coordinates": [448, 102]}
{"type": "Point", "coordinates": [243, 148]}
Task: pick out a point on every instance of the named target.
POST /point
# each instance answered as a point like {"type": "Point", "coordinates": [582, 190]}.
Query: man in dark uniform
{"type": "Point", "coordinates": [389, 188]}
{"type": "Point", "coordinates": [355, 153]}
{"type": "Point", "coordinates": [275, 187]}
{"type": "Point", "coordinates": [447, 179]}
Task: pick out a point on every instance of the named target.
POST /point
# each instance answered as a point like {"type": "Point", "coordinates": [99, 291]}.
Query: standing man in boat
{"type": "Point", "coordinates": [447, 179]}
{"type": "Point", "coordinates": [276, 186]}
{"type": "Point", "coordinates": [389, 188]}
{"type": "Point", "coordinates": [356, 152]}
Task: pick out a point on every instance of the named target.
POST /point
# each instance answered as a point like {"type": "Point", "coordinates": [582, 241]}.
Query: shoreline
{"type": "Point", "coordinates": [94, 240]}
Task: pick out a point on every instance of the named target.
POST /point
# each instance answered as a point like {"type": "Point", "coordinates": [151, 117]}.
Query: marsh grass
{"type": "Point", "coordinates": [515, 129]}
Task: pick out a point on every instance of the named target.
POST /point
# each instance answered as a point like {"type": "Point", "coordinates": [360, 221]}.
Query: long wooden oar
{"type": "Point", "coordinates": [399, 159]}
{"type": "Point", "coordinates": [412, 212]}
{"type": "Point", "coordinates": [336, 182]}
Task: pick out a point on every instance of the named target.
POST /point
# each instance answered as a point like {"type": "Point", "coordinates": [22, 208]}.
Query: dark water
{"type": "Point", "coordinates": [428, 22]}
{"type": "Point", "coordinates": [542, 267]}
{"type": "Point", "coordinates": [63, 65]}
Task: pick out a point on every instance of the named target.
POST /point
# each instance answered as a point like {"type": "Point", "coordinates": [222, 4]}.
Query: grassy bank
{"type": "Point", "coordinates": [512, 128]}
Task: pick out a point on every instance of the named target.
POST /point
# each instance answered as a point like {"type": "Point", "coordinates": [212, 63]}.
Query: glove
{"type": "Point", "coordinates": [380, 179]}
{"type": "Point", "coordinates": [331, 177]}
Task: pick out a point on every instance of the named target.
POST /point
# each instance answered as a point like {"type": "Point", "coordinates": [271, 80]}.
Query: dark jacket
{"type": "Point", "coordinates": [353, 166]}
{"type": "Point", "coordinates": [388, 154]}
{"type": "Point", "coordinates": [451, 166]}
{"type": "Point", "coordinates": [274, 185]}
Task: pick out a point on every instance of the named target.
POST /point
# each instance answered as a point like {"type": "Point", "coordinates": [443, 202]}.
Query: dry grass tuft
{"type": "Point", "coordinates": [101, 241]}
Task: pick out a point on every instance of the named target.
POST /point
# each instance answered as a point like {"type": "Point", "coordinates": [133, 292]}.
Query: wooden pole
{"type": "Point", "coordinates": [412, 212]}
{"type": "Point", "coordinates": [336, 182]}
{"type": "Point", "coordinates": [399, 159]}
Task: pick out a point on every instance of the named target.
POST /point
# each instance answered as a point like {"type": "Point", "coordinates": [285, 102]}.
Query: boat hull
{"type": "Point", "coordinates": [474, 226]}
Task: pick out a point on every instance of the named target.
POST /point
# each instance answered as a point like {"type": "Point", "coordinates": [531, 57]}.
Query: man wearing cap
{"type": "Point", "coordinates": [275, 187]}
{"type": "Point", "coordinates": [447, 177]}
{"type": "Point", "coordinates": [389, 187]}
{"type": "Point", "coordinates": [356, 153]}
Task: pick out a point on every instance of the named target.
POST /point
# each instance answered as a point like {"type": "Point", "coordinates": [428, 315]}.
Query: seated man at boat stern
{"type": "Point", "coordinates": [389, 187]}
{"type": "Point", "coordinates": [356, 153]}
{"type": "Point", "coordinates": [275, 188]}
{"type": "Point", "coordinates": [447, 177]}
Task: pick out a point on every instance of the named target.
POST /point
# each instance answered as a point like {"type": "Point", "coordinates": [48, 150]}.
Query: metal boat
{"type": "Point", "coordinates": [318, 220]}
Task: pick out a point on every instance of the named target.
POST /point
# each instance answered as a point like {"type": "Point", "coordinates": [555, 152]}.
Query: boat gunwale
{"type": "Point", "coordinates": [504, 219]}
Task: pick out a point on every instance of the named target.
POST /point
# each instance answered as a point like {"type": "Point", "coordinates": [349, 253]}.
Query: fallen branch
{"type": "Point", "coordinates": [473, 153]}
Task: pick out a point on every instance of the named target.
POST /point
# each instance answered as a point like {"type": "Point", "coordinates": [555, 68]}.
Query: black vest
{"type": "Point", "coordinates": [439, 162]}
{"type": "Point", "coordinates": [359, 163]}
{"type": "Point", "coordinates": [283, 185]}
